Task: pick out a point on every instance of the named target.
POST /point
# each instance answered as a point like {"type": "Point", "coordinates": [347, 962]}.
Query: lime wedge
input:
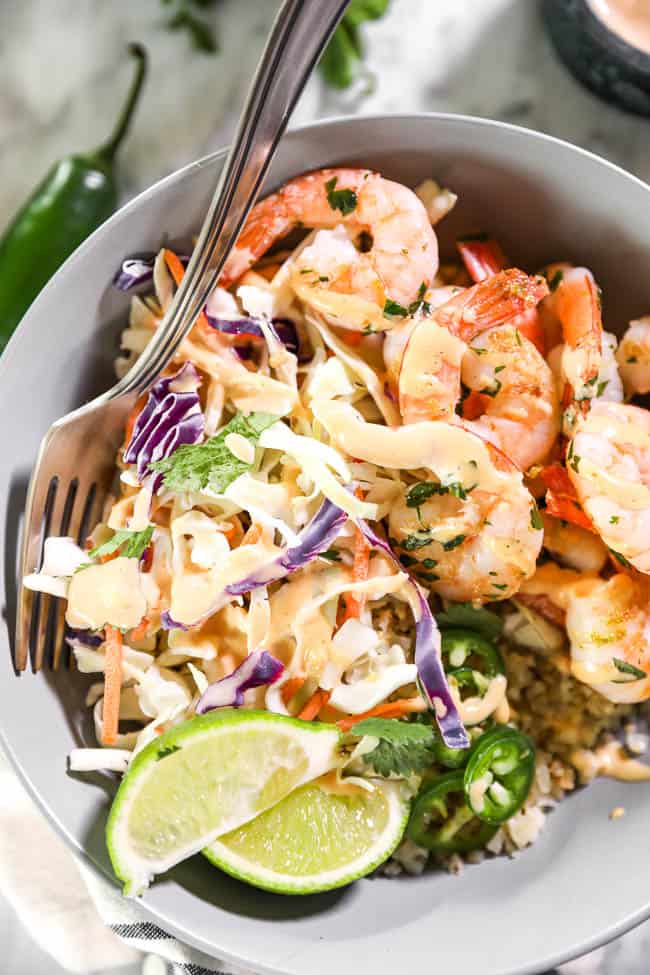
{"type": "Point", "coordinates": [205, 778]}
{"type": "Point", "coordinates": [316, 839]}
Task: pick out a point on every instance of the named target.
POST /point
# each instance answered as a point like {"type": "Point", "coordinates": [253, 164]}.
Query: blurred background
{"type": "Point", "coordinates": [64, 73]}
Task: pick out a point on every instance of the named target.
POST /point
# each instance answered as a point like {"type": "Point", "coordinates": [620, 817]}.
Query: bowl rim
{"type": "Point", "coordinates": [574, 950]}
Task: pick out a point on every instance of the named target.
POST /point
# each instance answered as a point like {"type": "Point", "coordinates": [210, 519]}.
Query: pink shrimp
{"type": "Point", "coordinates": [402, 258]}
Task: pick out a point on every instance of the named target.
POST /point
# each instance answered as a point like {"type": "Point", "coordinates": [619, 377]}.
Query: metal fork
{"type": "Point", "coordinates": [76, 460]}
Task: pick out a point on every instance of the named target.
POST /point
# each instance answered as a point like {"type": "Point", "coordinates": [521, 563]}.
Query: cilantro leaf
{"type": "Point", "coordinates": [343, 200]}
{"type": "Point", "coordinates": [535, 518]}
{"type": "Point", "coordinates": [465, 615]}
{"type": "Point", "coordinates": [417, 540]}
{"type": "Point", "coordinates": [194, 467]}
{"type": "Point", "coordinates": [625, 668]}
{"type": "Point", "coordinates": [341, 63]}
{"type": "Point", "coordinates": [130, 545]}
{"type": "Point", "coordinates": [423, 490]}
{"type": "Point", "coordinates": [394, 308]}
{"type": "Point", "coordinates": [403, 747]}
{"type": "Point", "coordinates": [621, 558]}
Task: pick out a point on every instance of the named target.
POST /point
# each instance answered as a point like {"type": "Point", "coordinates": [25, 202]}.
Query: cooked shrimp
{"type": "Point", "coordinates": [483, 257]}
{"type": "Point", "coordinates": [572, 545]}
{"type": "Point", "coordinates": [477, 543]}
{"type": "Point", "coordinates": [633, 355]}
{"type": "Point", "coordinates": [429, 375]}
{"type": "Point", "coordinates": [521, 407]}
{"type": "Point", "coordinates": [574, 306]}
{"type": "Point", "coordinates": [395, 341]}
{"type": "Point", "coordinates": [401, 259]}
{"type": "Point", "coordinates": [608, 460]}
{"type": "Point", "coordinates": [608, 625]}
{"type": "Point", "coordinates": [519, 404]}
{"type": "Point", "coordinates": [608, 384]}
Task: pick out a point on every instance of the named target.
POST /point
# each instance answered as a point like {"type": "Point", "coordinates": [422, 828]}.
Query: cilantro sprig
{"type": "Point", "coordinates": [128, 544]}
{"type": "Point", "coordinates": [195, 467]}
{"type": "Point", "coordinates": [403, 748]}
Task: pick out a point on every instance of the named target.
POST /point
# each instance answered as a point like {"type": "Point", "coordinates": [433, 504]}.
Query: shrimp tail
{"type": "Point", "coordinates": [492, 302]}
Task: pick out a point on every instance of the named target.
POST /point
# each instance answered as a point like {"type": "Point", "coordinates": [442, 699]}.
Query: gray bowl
{"type": "Point", "coordinates": [586, 880]}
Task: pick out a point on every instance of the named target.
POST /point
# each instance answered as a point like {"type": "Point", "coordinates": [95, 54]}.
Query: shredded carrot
{"type": "Point", "coordinates": [177, 271]}
{"type": "Point", "coordinates": [290, 688]}
{"type": "Point", "coordinates": [253, 534]}
{"type": "Point", "coordinates": [353, 603]}
{"type": "Point", "coordinates": [351, 338]}
{"type": "Point", "coordinates": [140, 631]}
{"type": "Point", "coordinates": [392, 709]}
{"type": "Point", "coordinates": [112, 684]}
{"type": "Point", "coordinates": [313, 706]}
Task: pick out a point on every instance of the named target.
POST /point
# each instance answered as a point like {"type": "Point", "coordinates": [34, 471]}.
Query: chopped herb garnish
{"type": "Point", "coordinates": [331, 555]}
{"type": "Point", "coordinates": [368, 330]}
{"type": "Point", "coordinates": [417, 540]}
{"type": "Point", "coordinates": [167, 750]}
{"type": "Point", "coordinates": [621, 558]}
{"type": "Point", "coordinates": [493, 390]}
{"type": "Point", "coordinates": [323, 277]}
{"type": "Point", "coordinates": [343, 200]}
{"type": "Point", "coordinates": [555, 280]}
{"type": "Point", "coordinates": [453, 543]}
{"type": "Point", "coordinates": [614, 520]}
{"type": "Point", "coordinates": [518, 337]}
{"type": "Point", "coordinates": [500, 585]}
{"type": "Point", "coordinates": [602, 387]}
{"type": "Point", "coordinates": [408, 560]}
{"type": "Point", "coordinates": [194, 467]}
{"type": "Point", "coordinates": [632, 358]}
{"type": "Point", "coordinates": [403, 747]}
{"type": "Point", "coordinates": [499, 369]}
{"type": "Point", "coordinates": [394, 308]}
{"type": "Point", "coordinates": [626, 668]}
{"type": "Point", "coordinates": [429, 563]}
{"type": "Point", "coordinates": [535, 518]}
{"type": "Point", "coordinates": [129, 545]}
{"type": "Point", "coordinates": [423, 490]}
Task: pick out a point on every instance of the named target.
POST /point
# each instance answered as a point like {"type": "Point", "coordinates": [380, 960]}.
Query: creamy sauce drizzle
{"type": "Point", "coordinates": [611, 761]}
{"type": "Point", "coordinates": [630, 19]}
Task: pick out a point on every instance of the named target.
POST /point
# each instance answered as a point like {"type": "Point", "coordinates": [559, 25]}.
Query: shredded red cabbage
{"type": "Point", "coordinates": [84, 637]}
{"type": "Point", "coordinates": [259, 668]}
{"type": "Point", "coordinates": [428, 660]}
{"type": "Point", "coordinates": [171, 416]}
{"type": "Point", "coordinates": [316, 537]}
{"type": "Point", "coordinates": [136, 271]}
{"type": "Point", "coordinates": [283, 329]}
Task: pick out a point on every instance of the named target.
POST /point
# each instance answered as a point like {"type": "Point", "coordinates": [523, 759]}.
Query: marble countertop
{"type": "Point", "coordinates": [63, 71]}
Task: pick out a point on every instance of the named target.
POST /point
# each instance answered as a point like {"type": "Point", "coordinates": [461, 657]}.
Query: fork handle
{"type": "Point", "coordinates": [298, 37]}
